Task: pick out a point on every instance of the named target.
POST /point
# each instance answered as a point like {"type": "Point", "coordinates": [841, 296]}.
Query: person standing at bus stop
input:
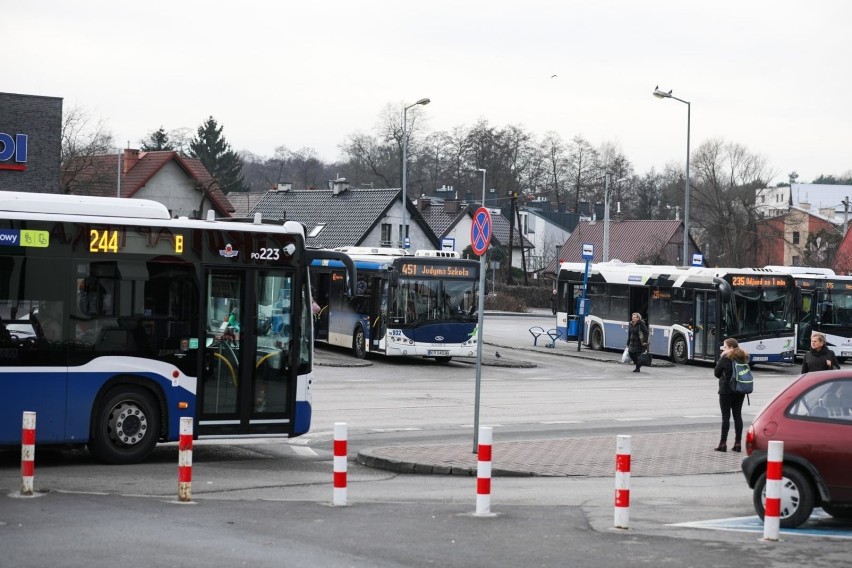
{"type": "Point", "coordinates": [637, 339]}
{"type": "Point", "coordinates": [730, 402]}
{"type": "Point", "coordinates": [819, 357]}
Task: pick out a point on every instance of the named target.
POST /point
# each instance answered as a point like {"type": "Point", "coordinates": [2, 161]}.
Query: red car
{"type": "Point", "coordinates": [813, 417]}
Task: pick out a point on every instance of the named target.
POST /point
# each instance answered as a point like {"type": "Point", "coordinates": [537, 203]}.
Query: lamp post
{"type": "Point", "coordinates": [425, 101]}
{"type": "Point", "coordinates": [606, 214]}
{"type": "Point", "coordinates": [664, 95]}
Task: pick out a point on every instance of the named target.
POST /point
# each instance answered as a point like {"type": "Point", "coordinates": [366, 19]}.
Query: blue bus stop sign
{"type": "Point", "coordinates": [588, 251]}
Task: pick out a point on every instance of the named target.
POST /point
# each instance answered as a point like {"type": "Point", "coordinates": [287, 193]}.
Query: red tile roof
{"type": "Point", "coordinates": [98, 176]}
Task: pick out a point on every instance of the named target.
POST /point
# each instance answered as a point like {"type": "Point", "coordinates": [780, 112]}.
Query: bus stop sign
{"type": "Point", "coordinates": [480, 231]}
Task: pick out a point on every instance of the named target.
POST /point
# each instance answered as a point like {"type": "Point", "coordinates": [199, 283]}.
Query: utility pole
{"type": "Point", "coordinates": [511, 234]}
{"type": "Point", "coordinates": [845, 203]}
{"type": "Point", "coordinates": [520, 237]}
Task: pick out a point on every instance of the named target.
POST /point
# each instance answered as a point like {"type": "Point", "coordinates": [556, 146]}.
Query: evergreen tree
{"type": "Point", "coordinates": [156, 141]}
{"type": "Point", "coordinates": [216, 154]}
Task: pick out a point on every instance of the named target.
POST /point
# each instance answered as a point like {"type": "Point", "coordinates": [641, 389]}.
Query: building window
{"type": "Point", "coordinates": [386, 235]}
{"type": "Point", "coordinates": [796, 261]}
{"type": "Point", "coordinates": [795, 237]}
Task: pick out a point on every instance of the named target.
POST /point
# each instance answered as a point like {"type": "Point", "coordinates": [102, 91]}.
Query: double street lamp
{"type": "Point", "coordinates": [425, 101]}
{"type": "Point", "coordinates": [668, 95]}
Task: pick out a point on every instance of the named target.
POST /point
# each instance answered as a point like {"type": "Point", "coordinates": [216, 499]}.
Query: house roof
{"type": "Point", "coordinates": [500, 231]}
{"type": "Point", "coordinates": [245, 202]}
{"type": "Point", "coordinates": [348, 216]}
{"type": "Point", "coordinates": [628, 240]}
{"type": "Point", "coordinates": [441, 216]}
{"type": "Point", "coordinates": [97, 177]}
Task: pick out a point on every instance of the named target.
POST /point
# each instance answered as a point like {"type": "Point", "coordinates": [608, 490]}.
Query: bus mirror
{"type": "Point", "coordinates": [724, 289]}
{"type": "Point", "coordinates": [393, 278]}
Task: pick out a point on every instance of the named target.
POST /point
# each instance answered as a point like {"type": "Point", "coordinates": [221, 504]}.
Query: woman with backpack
{"type": "Point", "coordinates": [730, 402]}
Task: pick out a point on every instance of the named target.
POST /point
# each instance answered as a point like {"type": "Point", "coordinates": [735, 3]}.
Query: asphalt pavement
{"type": "Point", "coordinates": [653, 454]}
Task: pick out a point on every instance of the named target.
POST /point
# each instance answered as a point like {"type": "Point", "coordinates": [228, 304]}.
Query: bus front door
{"type": "Point", "coordinates": [244, 385]}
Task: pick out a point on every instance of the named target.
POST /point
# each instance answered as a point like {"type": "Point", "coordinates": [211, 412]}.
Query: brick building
{"type": "Point", "coordinates": [30, 142]}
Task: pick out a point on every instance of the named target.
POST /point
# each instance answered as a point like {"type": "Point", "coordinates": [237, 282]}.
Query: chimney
{"type": "Point", "coordinates": [451, 206]}
{"type": "Point", "coordinates": [827, 212]}
{"type": "Point", "coordinates": [131, 157]}
{"type": "Point", "coordinates": [804, 205]}
{"type": "Point", "coordinates": [338, 185]}
{"type": "Point", "coordinates": [423, 203]}
{"type": "Point", "coordinates": [284, 187]}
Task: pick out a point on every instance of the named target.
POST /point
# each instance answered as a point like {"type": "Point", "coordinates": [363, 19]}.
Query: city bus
{"type": "Point", "coordinates": [422, 304]}
{"type": "Point", "coordinates": [824, 304]}
{"type": "Point", "coordinates": [116, 321]}
{"type": "Point", "coordinates": [689, 311]}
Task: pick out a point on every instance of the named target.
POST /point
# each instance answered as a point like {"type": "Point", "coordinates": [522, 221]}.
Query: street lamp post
{"type": "Point", "coordinates": [668, 95]}
{"type": "Point", "coordinates": [425, 101]}
{"type": "Point", "coordinates": [606, 214]}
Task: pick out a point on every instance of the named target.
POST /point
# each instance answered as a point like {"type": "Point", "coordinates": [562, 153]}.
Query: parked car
{"type": "Point", "coordinates": [813, 417]}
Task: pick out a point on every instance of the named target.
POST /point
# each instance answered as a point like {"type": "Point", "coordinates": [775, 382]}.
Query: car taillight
{"type": "Point", "coordinates": [750, 440]}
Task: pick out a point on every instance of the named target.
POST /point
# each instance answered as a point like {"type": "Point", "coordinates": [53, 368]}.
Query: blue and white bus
{"type": "Point", "coordinates": [689, 311]}
{"type": "Point", "coordinates": [116, 321]}
{"type": "Point", "coordinates": [420, 304]}
{"type": "Point", "coordinates": [824, 304]}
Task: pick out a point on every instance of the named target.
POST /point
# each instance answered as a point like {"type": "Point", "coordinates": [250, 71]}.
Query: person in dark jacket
{"type": "Point", "coordinates": [819, 357]}
{"type": "Point", "coordinates": [637, 339]}
{"type": "Point", "coordinates": [730, 402]}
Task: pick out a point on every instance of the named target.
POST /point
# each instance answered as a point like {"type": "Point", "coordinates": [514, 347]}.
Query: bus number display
{"type": "Point", "coordinates": [758, 281]}
{"type": "Point", "coordinates": [103, 241]}
{"type": "Point", "coordinates": [435, 270]}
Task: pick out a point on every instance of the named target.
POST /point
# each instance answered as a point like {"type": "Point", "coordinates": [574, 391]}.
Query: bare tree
{"type": "Point", "coordinates": [726, 176]}
{"type": "Point", "coordinates": [585, 170]}
{"type": "Point", "coordinates": [82, 139]}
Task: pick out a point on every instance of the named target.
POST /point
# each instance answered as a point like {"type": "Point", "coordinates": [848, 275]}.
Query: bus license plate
{"type": "Point", "coordinates": [846, 353]}
{"type": "Point", "coordinates": [439, 352]}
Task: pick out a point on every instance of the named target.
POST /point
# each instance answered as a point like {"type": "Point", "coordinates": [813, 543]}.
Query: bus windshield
{"type": "Point", "coordinates": [433, 300]}
{"type": "Point", "coordinates": [757, 310]}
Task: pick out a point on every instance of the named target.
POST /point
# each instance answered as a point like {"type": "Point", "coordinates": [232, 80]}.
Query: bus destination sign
{"type": "Point", "coordinates": [418, 270]}
{"type": "Point", "coordinates": [766, 281]}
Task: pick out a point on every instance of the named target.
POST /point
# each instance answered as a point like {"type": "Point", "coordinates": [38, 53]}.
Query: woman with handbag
{"type": "Point", "coordinates": [730, 402]}
{"type": "Point", "coordinates": [637, 339]}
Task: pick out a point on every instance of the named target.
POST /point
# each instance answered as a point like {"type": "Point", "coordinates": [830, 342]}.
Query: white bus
{"type": "Point", "coordinates": [689, 311]}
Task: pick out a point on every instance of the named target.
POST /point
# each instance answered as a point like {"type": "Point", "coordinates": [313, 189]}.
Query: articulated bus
{"type": "Point", "coordinates": [689, 311]}
{"type": "Point", "coordinates": [116, 321]}
{"type": "Point", "coordinates": [417, 305]}
{"type": "Point", "coordinates": [825, 305]}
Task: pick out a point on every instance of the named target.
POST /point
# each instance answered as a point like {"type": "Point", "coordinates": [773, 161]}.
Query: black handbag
{"type": "Point", "coordinates": [644, 359]}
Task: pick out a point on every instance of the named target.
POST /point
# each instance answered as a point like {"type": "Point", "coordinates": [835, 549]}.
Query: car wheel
{"type": "Point", "coordinates": [680, 352]}
{"type": "Point", "coordinates": [838, 511]}
{"type": "Point", "coordinates": [797, 497]}
{"type": "Point", "coordinates": [596, 340]}
{"type": "Point", "coordinates": [359, 348]}
{"type": "Point", "coordinates": [126, 427]}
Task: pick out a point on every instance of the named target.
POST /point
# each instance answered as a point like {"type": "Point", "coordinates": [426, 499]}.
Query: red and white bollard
{"type": "Point", "coordinates": [185, 460]}
{"type": "Point", "coordinates": [483, 471]}
{"type": "Point", "coordinates": [28, 453]}
{"type": "Point", "coordinates": [340, 431]}
{"type": "Point", "coordinates": [622, 482]}
{"type": "Point", "coordinates": [772, 503]}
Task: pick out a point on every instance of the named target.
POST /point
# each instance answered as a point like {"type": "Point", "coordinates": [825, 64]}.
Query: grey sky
{"type": "Point", "coordinates": [771, 75]}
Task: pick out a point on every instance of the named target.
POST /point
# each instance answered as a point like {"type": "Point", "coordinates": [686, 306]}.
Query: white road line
{"type": "Point", "coordinates": [562, 422]}
{"type": "Point", "coordinates": [304, 451]}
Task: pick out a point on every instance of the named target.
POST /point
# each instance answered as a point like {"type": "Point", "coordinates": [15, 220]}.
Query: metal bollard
{"type": "Point", "coordinates": [483, 471]}
{"type": "Point", "coordinates": [772, 505]}
{"type": "Point", "coordinates": [28, 453]}
{"type": "Point", "coordinates": [185, 460]}
{"type": "Point", "coordinates": [622, 482]}
{"type": "Point", "coordinates": [340, 450]}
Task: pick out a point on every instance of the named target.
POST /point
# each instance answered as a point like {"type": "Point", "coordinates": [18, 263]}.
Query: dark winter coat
{"type": "Point", "coordinates": [816, 360]}
{"type": "Point", "coordinates": [725, 370]}
{"type": "Point", "coordinates": [637, 337]}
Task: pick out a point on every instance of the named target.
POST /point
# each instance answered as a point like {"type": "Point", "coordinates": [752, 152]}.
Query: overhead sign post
{"type": "Point", "coordinates": [480, 238]}
{"type": "Point", "coordinates": [582, 303]}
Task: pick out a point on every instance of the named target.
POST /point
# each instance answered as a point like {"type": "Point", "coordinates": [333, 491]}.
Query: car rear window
{"type": "Point", "coordinates": [831, 400]}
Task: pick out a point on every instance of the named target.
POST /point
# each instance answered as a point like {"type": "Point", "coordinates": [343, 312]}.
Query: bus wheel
{"type": "Point", "coordinates": [126, 427]}
{"type": "Point", "coordinates": [596, 338]}
{"type": "Point", "coordinates": [842, 359]}
{"type": "Point", "coordinates": [680, 353]}
{"type": "Point", "coordinates": [359, 348]}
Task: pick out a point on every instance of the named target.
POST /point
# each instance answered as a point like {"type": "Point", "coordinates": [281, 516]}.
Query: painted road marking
{"type": "Point", "coordinates": [821, 524]}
